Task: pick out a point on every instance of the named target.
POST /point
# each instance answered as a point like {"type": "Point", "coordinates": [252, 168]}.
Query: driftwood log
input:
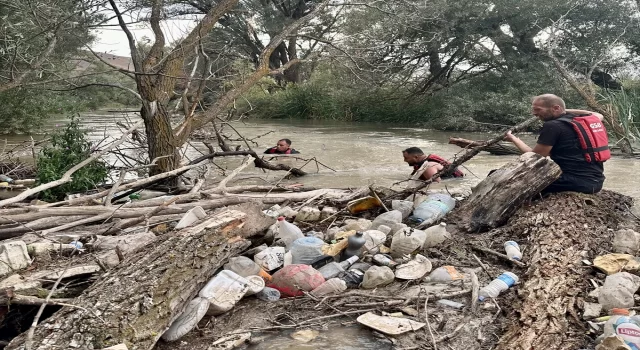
{"type": "Point", "coordinates": [499, 149]}
{"type": "Point", "coordinates": [137, 301]}
{"type": "Point", "coordinates": [500, 195]}
{"type": "Point", "coordinates": [559, 232]}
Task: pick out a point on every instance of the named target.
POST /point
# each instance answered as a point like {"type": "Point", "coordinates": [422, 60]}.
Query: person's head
{"type": "Point", "coordinates": [413, 155]}
{"type": "Point", "coordinates": [547, 107]}
{"type": "Point", "coordinates": [283, 145]}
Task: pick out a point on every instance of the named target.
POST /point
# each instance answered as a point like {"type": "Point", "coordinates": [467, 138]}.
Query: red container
{"type": "Point", "coordinates": [292, 280]}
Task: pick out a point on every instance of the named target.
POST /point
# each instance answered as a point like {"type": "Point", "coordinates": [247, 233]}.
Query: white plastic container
{"type": "Point", "coordinates": [270, 258]}
{"type": "Point", "coordinates": [223, 291]}
{"type": "Point", "coordinates": [256, 284]}
{"type": "Point", "coordinates": [330, 286]}
{"type": "Point", "coordinates": [444, 274]}
{"type": "Point", "coordinates": [243, 266]}
{"type": "Point", "coordinates": [287, 232]}
{"type": "Point", "coordinates": [305, 250]}
{"type": "Point", "coordinates": [405, 207]}
{"type": "Point", "coordinates": [192, 314]}
{"type": "Point", "coordinates": [513, 250]}
{"type": "Point", "coordinates": [497, 286]}
{"type": "Point", "coordinates": [436, 235]}
{"type": "Point", "coordinates": [406, 241]}
{"type": "Point", "coordinates": [387, 219]}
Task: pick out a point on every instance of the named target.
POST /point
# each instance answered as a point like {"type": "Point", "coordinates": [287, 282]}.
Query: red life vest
{"type": "Point", "coordinates": [439, 160]}
{"type": "Point", "coordinates": [592, 136]}
{"type": "Point", "coordinates": [272, 150]}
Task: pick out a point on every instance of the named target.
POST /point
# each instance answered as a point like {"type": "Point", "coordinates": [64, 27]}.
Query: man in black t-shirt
{"type": "Point", "coordinates": [559, 140]}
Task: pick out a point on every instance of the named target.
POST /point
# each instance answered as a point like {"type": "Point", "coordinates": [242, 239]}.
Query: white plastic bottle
{"type": "Point", "coordinates": [624, 326]}
{"type": "Point", "coordinates": [497, 286]}
{"type": "Point", "coordinates": [513, 250]}
{"type": "Point", "coordinates": [287, 232]}
{"type": "Point", "coordinates": [386, 219]}
{"type": "Point", "coordinates": [434, 207]}
{"type": "Point", "coordinates": [436, 235]}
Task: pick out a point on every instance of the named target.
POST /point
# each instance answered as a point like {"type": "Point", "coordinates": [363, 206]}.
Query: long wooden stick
{"type": "Point", "coordinates": [67, 176]}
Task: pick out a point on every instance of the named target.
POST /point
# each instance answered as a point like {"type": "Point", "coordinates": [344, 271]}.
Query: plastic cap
{"type": "Point", "coordinates": [616, 311]}
{"type": "Point", "coordinates": [443, 224]}
{"type": "Point", "coordinates": [281, 218]}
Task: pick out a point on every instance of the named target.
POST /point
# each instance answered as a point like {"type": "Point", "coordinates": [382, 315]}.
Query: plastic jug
{"type": "Point", "coordinates": [387, 219]}
{"type": "Point", "coordinates": [270, 258]}
{"type": "Point", "coordinates": [405, 207]}
{"type": "Point", "coordinates": [435, 207]}
{"type": "Point", "coordinates": [334, 269]}
{"type": "Point", "coordinates": [406, 241]}
{"type": "Point", "coordinates": [292, 280]}
{"type": "Point", "coordinates": [444, 274]}
{"type": "Point", "coordinates": [305, 250]}
{"type": "Point", "coordinates": [497, 286]}
{"type": "Point", "coordinates": [223, 291]}
{"type": "Point", "coordinates": [513, 250]}
{"type": "Point", "coordinates": [625, 327]}
{"type": "Point", "coordinates": [436, 235]}
{"type": "Point", "coordinates": [354, 246]}
{"type": "Point", "coordinates": [330, 286]}
{"type": "Point", "coordinates": [377, 276]}
{"type": "Point", "coordinates": [287, 232]}
{"type": "Point", "coordinates": [192, 314]}
{"type": "Point", "coordinates": [243, 266]}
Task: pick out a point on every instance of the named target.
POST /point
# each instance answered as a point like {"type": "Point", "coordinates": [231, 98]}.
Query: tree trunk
{"type": "Point", "coordinates": [160, 140]}
{"type": "Point", "coordinates": [499, 149]}
{"type": "Point", "coordinates": [137, 301]}
{"type": "Point", "coordinates": [500, 195]}
{"type": "Point", "coordinates": [559, 232]}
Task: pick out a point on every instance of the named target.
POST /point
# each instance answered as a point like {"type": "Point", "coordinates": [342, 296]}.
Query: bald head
{"type": "Point", "coordinates": [547, 106]}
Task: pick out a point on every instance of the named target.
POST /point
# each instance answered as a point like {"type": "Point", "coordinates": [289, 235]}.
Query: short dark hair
{"type": "Point", "coordinates": [413, 151]}
{"type": "Point", "coordinates": [286, 140]}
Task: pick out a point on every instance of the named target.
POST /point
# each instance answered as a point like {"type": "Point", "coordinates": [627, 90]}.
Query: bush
{"type": "Point", "coordinates": [68, 147]}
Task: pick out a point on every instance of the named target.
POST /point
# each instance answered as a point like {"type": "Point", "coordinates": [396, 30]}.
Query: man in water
{"type": "Point", "coordinates": [559, 140]}
{"type": "Point", "coordinates": [429, 165]}
{"type": "Point", "coordinates": [283, 147]}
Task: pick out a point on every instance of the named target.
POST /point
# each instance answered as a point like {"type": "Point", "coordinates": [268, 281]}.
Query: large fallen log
{"type": "Point", "coordinates": [136, 302]}
{"type": "Point", "coordinates": [500, 195]}
{"type": "Point", "coordinates": [499, 149]}
{"type": "Point", "coordinates": [561, 231]}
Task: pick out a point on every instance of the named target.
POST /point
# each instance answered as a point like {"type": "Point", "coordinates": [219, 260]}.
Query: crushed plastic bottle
{"type": "Point", "coordinates": [444, 274]}
{"type": "Point", "coordinates": [513, 250]}
{"type": "Point", "coordinates": [405, 207]}
{"type": "Point", "coordinates": [387, 219]}
{"type": "Point", "coordinates": [305, 250]}
{"type": "Point", "coordinates": [223, 291]}
{"type": "Point", "coordinates": [287, 232]}
{"type": "Point", "coordinates": [383, 260]}
{"type": "Point", "coordinates": [436, 235]}
{"type": "Point", "coordinates": [435, 207]}
{"type": "Point", "coordinates": [406, 241]}
{"type": "Point", "coordinates": [622, 325]}
{"type": "Point", "coordinates": [497, 286]}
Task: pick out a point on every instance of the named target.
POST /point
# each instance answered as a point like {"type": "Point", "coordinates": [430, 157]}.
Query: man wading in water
{"type": "Point", "coordinates": [429, 165]}
{"type": "Point", "coordinates": [575, 139]}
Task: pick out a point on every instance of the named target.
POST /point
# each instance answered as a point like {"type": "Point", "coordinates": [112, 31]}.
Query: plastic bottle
{"type": "Point", "coordinates": [434, 207]}
{"type": "Point", "coordinates": [406, 241]}
{"type": "Point", "coordinates": [405, 207]}
{"type": "Point", "coordinates": [383, 260]}
{"type": "Point", "coordinates": [76, 244]}
{"type": "Point", "coordinates": [270, 258]}
{"type": "Point", "coordinates": [513, 250]}
{"type": "Point", "coordinates": [268, 294]}
{"type": "Point", "coordinates": [625, 327]}
{"type": "Point", "coordinates": [223, 291]}
{"type": "Point", "coordinates": [353, 278]}
{"type": "Point", "coordinates": [436, 235]}
{"type": "Point", "coordinates": [330, 286]}
{"type": "Point", "coordinates": [354, 246]}
{"type": "Point", "coordinates": [444, 274]}
{"type": "Point", "coordinates": [243, 266]}
{"type": "Point", "coordinates": [287, 232]}
{"type": "Point", "coordinates": [334, 269]}
{"type": "Point", "coordinates": [386, 219]}
{"type": "Point", "coordinates": [497, 286]}
{"type": "Point", "coordinates": [256, 284]}
{"type": "Point", "coordinates": [305, 250]}
{"type": "Point", "coordinates": [192, 314]}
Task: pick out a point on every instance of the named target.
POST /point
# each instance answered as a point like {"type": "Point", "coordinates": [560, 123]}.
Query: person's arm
{"type": "Point", "coordinates": [543, 150]}
{"type": "Point", "coordinates": [432, 169]}
{"type": "Point", "coordinates": [583, 111]}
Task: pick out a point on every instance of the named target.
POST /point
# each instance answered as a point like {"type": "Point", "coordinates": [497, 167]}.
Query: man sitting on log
{"type": "Point", "coordinates": [426, 165]}
{"type": "Point", "coordinates": [283, 147]}
{"type": "Point", "coordinates": [575, 139]}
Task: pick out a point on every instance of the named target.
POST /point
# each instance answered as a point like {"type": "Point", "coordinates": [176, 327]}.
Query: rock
{"type": "Point", "coordinates": [19, 283]}
{"type": "Point", "coordinates": [595, 293]}
{"type": "Point", "coordinates": [405, 207]}
{"type": "Point", "coordinates": [618, 291]}
{"type": "Point", "coordinates": [13, 256]}
{"type": "Point", "coordinates": [305, 335]}
{"type": "Point", "coordinates": [613, 263]}
{"type": "Point", "coordinates": [626, 241]}
{"type": "Point", "coordinates": [308, 214]}
{"type": "Point", "coordinates": [328, 212]}
{"type": "Point", "coordinates": [389, 325]}
{"type": "Point", "coordinates": [192, 216]}
{"type": "Point", "coordinates": [377, 276]}
{"type": "Point", "coordinates": [613, 343]}
{"type": "Point", "coordinates": [397, 227]}
{"type": "Point", "coordinates": [331, 233]}
{"type": "Point", "coordinates": [384, 228]}
{"type": "Point", "coordinates": [591, 310]}
{"type": "Point", "coordinates": [357, 225]}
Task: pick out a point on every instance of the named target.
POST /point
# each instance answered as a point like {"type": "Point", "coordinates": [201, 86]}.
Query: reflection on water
{"type": "Point", "coordinates": [361, 153]}
{"type": "Point", "coordinates": [340, 338]}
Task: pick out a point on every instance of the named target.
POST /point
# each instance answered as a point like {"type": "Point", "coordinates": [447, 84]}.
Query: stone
{"type": "Point", "coordinates": [357, 225]}
{"type": "Point", "coordinates": [18, 283]}
{"type": "Point", "coordinates": [618, 291]}
{"type": "Point", "coordinates": [308, 214]}
{"type": "Point", "coordinates": [305, 335]}
{"type": "Point", "coordinates": [377, 276]}
{"type": "Point", "coordinates": [626, 241]}
{"type": "Point", "coordinates": [328, 212]}
{"type": "Point", "coordinates": [384, 229]}
{"type": "Point", "coordinates": [613, 263]}
{"type": "Point", "coordinates": [13, 256]}
{"type": "Point", "coordinates": [591, 310]}
{"type": "Point", "coordinates": [287, 212]}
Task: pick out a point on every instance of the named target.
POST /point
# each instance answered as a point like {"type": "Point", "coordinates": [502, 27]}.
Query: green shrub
{"type": "Point", "coordinates": [68, 147]}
